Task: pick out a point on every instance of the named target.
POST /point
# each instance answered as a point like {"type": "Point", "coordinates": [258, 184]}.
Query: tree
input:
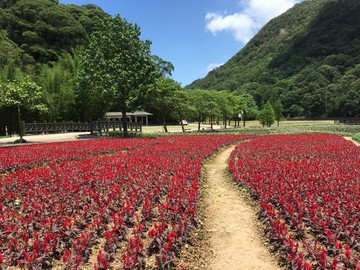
{"type": "Point", "coordinates": [59, 84]}
{"type": "Point", "coordinates": [247, 105]}
{"type": "Point", "coordinates": [227, 104]}
{"type": "Point", "coordinates": [267, 115]}
{"type": "Point", "coordinates": [212, 100]}
{"type": "Point", "coordinates": [24, 94]}
{"type": "Point", "coordinates": [204, 104]}
{"type": "Point", "coordinates": [161, 94]}
{"type": "Point", "coordinates": [9, 51]}
{"type": "Point", "coordinates": [278, 110]}
{"type": "Point", "coordinates": [116, 64]}
{"type": "Point", "coordinates": [182, 106]}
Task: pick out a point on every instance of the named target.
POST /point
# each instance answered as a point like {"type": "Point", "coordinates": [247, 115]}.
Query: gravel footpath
{"type": "Point", "coordinates": [44, 138]}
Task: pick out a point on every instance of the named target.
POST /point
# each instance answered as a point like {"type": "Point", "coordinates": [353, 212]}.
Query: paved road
{"type": "Point", "coordinates": [9, 141]}
{"type": "Point", "coordinates": [43, 138]}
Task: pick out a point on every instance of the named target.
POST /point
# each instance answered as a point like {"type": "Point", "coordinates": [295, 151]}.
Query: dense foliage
{"type": "Point", "coordinates": [309, 58]}
{"type": "Point", "coordinates": [43, 40]}
{"type": "Point", "coordinates": [43, 29]}
{"type": "Point", "coordinates": [308, 189]}
{"type": "Point", "coordinates": [99, 204]}
{"type": "Point", "coordinates": [115, 66]}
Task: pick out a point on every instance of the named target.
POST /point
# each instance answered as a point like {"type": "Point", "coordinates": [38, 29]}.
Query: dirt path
{"type": "Point", "coordinates": [235, 239]}
{"type": "Point", "coordinates": [350, 139]}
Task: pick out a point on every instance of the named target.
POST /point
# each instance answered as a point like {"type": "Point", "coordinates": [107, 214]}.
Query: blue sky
{"type": "Point", "coordinates": [195, 35]}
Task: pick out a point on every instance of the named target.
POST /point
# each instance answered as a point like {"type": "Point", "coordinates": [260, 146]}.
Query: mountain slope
{"type": "Point", "coordinates": [44, 29]}
{"type": "Point", "coordinates": [307, 57]}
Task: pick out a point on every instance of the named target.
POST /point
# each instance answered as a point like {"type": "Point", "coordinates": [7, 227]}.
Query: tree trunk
{"type": "Point", "coordinates": [199, 120]}
{"type": "Point", "coordinates": [211, 123]}
{"type": "Point", "coordinates": [125, 128]}
{"type": "Point", "coordinates": [21, 132]}
{"type": "Point", "coordinates": [182, 127]}
{"type": "Point", "coordinates": [165, 127]}
{"type": "Point", "coordinates": [181, 116]}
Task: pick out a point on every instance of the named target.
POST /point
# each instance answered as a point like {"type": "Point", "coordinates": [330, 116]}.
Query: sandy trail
{"type": "Point", "coordinates": [235, 238]}
{"type": "Point", "coordinates": [351, 139]}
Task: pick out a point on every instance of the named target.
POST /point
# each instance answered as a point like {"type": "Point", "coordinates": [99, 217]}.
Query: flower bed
{"type": "Point", "coordinates": [124, 208]}
{"type": "Point", "coordinates": [12, 158]}
{"type": "Point", "coordinates": [309, 189]}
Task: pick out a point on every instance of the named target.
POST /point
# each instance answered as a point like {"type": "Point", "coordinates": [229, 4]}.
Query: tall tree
{"type": "Point", "coordinates": [59, 83]}
{"type": "Point", "coordinates": [267, 115]}
{"type": "Point", "coordinates": [162, 96]}
{"type": "Point", "coordinates": [278, 110]}
{"type": "Point", "coordinates": [204, 104]}
{"type": "Point", "coordinates": [23, 94]}
{"type": "Point", "coordinates": [246, 105]}
{"type": "Point", "coordinates": [182, 106]}
{"type": "Point", "coordinates": [213, 102]}
{"type": "Point", "coordinates": [116, 64]}
{"type": "Point", "coordinates": [227, 104]}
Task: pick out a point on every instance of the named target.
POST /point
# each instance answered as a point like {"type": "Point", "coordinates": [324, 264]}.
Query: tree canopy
{"type": "Point", "coordinates": [163, 98]}
{"type": "Point", "coordinates": [267, 115]}
{"type": "Point", "coordinates": [116, 65]}
{"type": "Point", "coordinates": [24, 94]}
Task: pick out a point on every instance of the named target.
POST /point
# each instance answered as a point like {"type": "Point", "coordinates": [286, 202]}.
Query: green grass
{"type": "Point", "coordinates": [135, 134]}
{"type": "Point", "coordinates": [343, 130]}
{"type": "Point", "coordinates": [254, 127]}
{"type": "Point", "coordinates": [356, 137]}
{"type": "Point", "coordinates": [326, 126]}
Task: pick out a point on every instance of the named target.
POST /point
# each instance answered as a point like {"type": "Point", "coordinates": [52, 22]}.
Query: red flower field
{"type": "Point", "coordinates": [125, 203]}
{"type": "Point", "coordinates": [309, 191]}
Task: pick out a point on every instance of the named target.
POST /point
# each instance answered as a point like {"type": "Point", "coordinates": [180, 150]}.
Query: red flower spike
{"type": "Point", "coordinates": [66, 255]}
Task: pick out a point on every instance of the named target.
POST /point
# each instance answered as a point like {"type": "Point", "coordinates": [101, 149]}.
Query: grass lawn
{"type": "Point", "coordinates": [356, 137]}
{"type": "Point", "coordinates": [299, 126]}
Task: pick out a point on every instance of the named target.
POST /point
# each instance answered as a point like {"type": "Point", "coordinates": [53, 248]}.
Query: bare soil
{"type": "Point", "coordinates": [350, 139]}
{"type": "Point", "coordinates": [230, 236]}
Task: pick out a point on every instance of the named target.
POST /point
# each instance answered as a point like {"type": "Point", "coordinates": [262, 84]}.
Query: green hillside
{"type": "Point", "coordinates": [309, 58]}
{"type": "Point", "coordinates": [43, 29]}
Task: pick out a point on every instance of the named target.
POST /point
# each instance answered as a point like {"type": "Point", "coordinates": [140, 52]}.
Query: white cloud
{"type": "Point", "coordinates": [244, 24]}
{"type": "Point", "coordinates": [240, 24]}
{"type": "Point", "coordinates": [212, 66]}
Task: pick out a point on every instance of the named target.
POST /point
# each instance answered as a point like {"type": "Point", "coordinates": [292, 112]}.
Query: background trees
{"type": "Point", "coordinates": [163, 98]}
{"type": "Point", "coordinates": [202, 103]}
{"type": "Point", "coordinates": [224, 105]}
{"type": "Point", "coordinates": [43, 40]}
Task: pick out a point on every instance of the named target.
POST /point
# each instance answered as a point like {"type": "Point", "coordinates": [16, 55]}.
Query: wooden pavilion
{"type": "Point", "coordinates": [137, 117]}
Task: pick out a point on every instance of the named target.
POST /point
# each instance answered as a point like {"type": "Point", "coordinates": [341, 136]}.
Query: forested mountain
{"type": "Point", "coordinates": [308, 57]}
{"type": "Point", "coordinates": [43, 29]}
{"type": "Point", "coordinates": [43, 40]}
